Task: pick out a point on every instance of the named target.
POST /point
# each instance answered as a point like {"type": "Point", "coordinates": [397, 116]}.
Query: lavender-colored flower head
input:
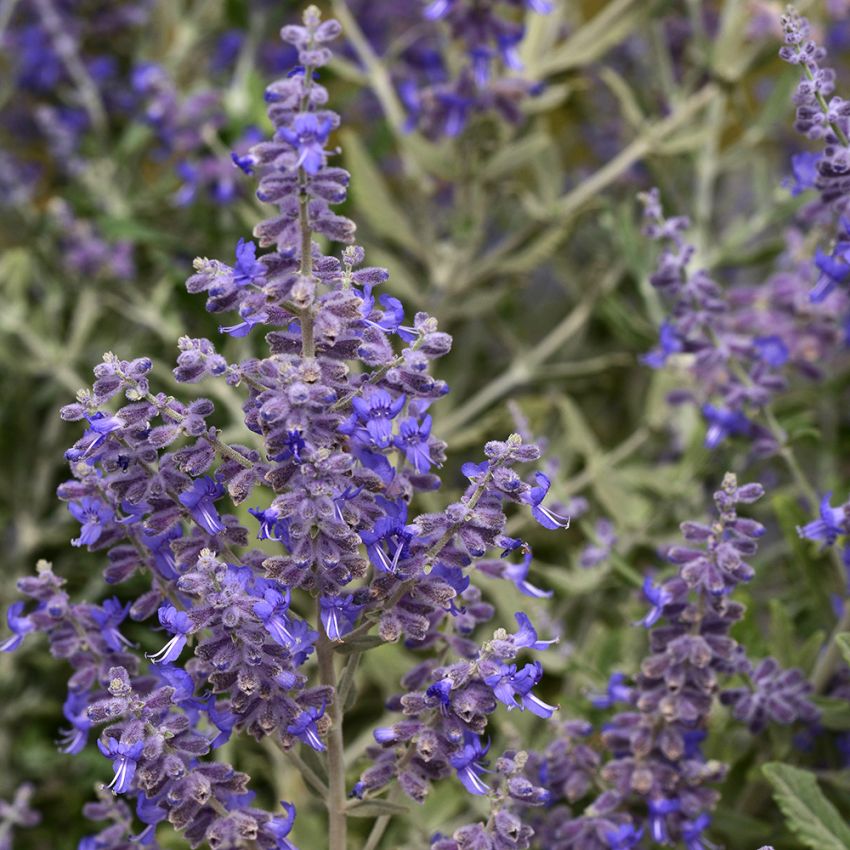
{"type": "Point", "coordinates": [657, 781]}
{"type": "Point", "coordinates": [340, 442]}
{"type": "Point", "coordinates": [738, 347]}
{"type": "Point", "coordinates": [442, 99]}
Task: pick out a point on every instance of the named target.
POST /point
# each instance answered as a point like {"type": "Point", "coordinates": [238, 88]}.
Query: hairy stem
{"type": "Point", "coordinates": [222, 448]}
{"type": "Point", "coordinates": [337, 825]}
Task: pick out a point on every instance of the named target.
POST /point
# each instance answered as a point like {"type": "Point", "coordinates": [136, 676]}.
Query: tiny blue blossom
{"type": "Point", "coordinates": [179, 624]}
{"type": "Point", "coordinates": [93, 515]}
{"type": "Point", "coordinates": [547, 518]}
{"type": "Point", "coordinates": [199, 499]}
{"type": "Point", "coordinates": [339, 614]}
{"type": "Point", "coordinates": [19, 625]}
{"type": "Point", "coordinates": [124, 757]}
{"type": "Point", "coordinates": [831, 525]}
{"type": "Point", "coordinates": [469, 766]}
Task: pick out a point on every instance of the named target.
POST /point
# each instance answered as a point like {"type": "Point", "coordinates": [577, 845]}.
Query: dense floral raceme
{"type": "Point", "coordinates": [740, 346]}
{"type": "Point", "coordinates": [340, 406]}
{"type": "Point", "coordinates": [656, 780]}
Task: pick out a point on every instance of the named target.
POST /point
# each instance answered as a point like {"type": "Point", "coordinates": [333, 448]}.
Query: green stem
{"type": "Point", "coordinates": [524, 367]}
{"type": "Point", "coordinates": [830, 657]}
{"type": "Point", "coordinates": [377, 833]}
{"type": "Point", "coordinates": [337, 825]}
{"type": "Point", "coordinates": [310, 776]}
{"type": "Point", "coordinates": [825, 108]}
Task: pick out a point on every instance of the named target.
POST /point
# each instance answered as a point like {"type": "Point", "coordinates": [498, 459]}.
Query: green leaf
{"type": "Point", "coordinates": [808, 813]}
{"type": "Point", "coordinates": [359, 644]}
{"type": "Point", "coordinates": [834, 713]}
{"type": "Point", "coordinates": [612, 25]}
{"type": "Point", "coordinates": [374, 808]}
{"type": "Point", "coordinates": [843, 643]}
{"type": "Point", "coordinates": [510, 158]}
{"type": "Point", "coordinates": [373, 199]}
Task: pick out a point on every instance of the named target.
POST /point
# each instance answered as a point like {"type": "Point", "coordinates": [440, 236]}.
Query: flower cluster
{"type": "Point", "coordinates": [738, 346]}
{"type": "Point", "coordinates": [446, 710]}
{"type": "Point", "coordinates": [187, 130]}
{"type": "Point", "coordinates": [817, 118]}
{"type": "Point", "coordinates": [488, 34]}
{"type": "Point", "coordinates": [505, 828]}
{"type": "Point", "coordinates": [67, 84]}
{"type": "Point", "coordinates": [828, 170]}
{"type": "Point", "coordinates": [657, 781]}
{"type": "Point", "coordinates": [341, 441]}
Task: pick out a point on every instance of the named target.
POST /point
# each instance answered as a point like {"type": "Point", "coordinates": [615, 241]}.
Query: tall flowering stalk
{"type": "Point", "coordinates": [657, 784]}
{"type": "Point", "coordinates": [252, 638]}
{"type": "Point", "coordinates": [739, 346]}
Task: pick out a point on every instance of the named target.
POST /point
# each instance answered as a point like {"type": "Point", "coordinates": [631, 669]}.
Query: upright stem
{"type": "Point", "coordinates": [337, 826]}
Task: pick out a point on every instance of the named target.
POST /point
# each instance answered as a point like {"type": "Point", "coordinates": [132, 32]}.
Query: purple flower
{"type": "Point", "coordinates": [412, 438]}
{"type": "Point", "coordinates": [92, 514]}
{"type": "Point", "coordinates": [160, 547]}
{"type": "Point", "coordinates": [723, 423]}
{"type": "Point", "coordinates": [509, 683]}
{"type": "Point", "coordinates": [124, 760]}
{"type": "Point", "coordinates": [272, 610]}
{"type": "Point", "coordinates": [100, 427]}
{"type": "Point", "coordinates": [804, 171]}
{"type": "Point", "coordinates": [199, 500]}
{"type": "Point", "coordinates": [441, 692]}
{"type": "Point", "coordinates": [658, 811]}
{"type": "Point", "coordinates": [615, 692]}
{"type": "Point", "coordinates": [295, 444]}
{"type": "Point", "coordinates": [834, 269]}
{"type": "Point", "coordinates": [668, 343]}
{"type": "Point", "coordinates": [374, 415]}
{"type": "Point", "coordinates": [245, 163]}
{"type": "Point", "coordinates": [832, 523]}
{"type": "Point", "coordinates": [20, 626]}
{"type": "Point", "coordinates": [272, 525]}
{"type": "Point", "coordinates": [304, 728]}
{"type": "Point", "coordinates": [692, 831]}
{"type": "Point", "coordinates": [469, 765]}
{"type": "Point", "coordinates": [526, 635]}
{"type": "Point", "coordinates": [222, 719]}
{"type": "Point", "coordinates": [772, 350]}
{"type": "Point", "coordinates": [243, 328]}
{"type": "Point", "coordinates": [659, 597]}
{"type": "Point", "coordinates": [597, 553]}
{"type": "Point", "coordinates": [308, 136]}
{"type": "Point", "coordinates": [391, 531]}
{"type": "Point", "coordinates": [339, 614]}
{"type": "Point", "coordinates": [624, 837]}
{"type": "Point", "coordinates": [179, 624]}
{"type": "Point", "coordinates": [280, 827]}
{"type": "Point", "coordinates": [518, 574]}
{"type": "Point", "coordinates": [390, 318]}
{"type": "Point", "coordinates": [536, 495]}
{"type": "Point", "coordinates": [247, 269]}
{"type": "Point", "coordinates": [74, 740]}
{"type": "Point", "coordinates": [109, 616]}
